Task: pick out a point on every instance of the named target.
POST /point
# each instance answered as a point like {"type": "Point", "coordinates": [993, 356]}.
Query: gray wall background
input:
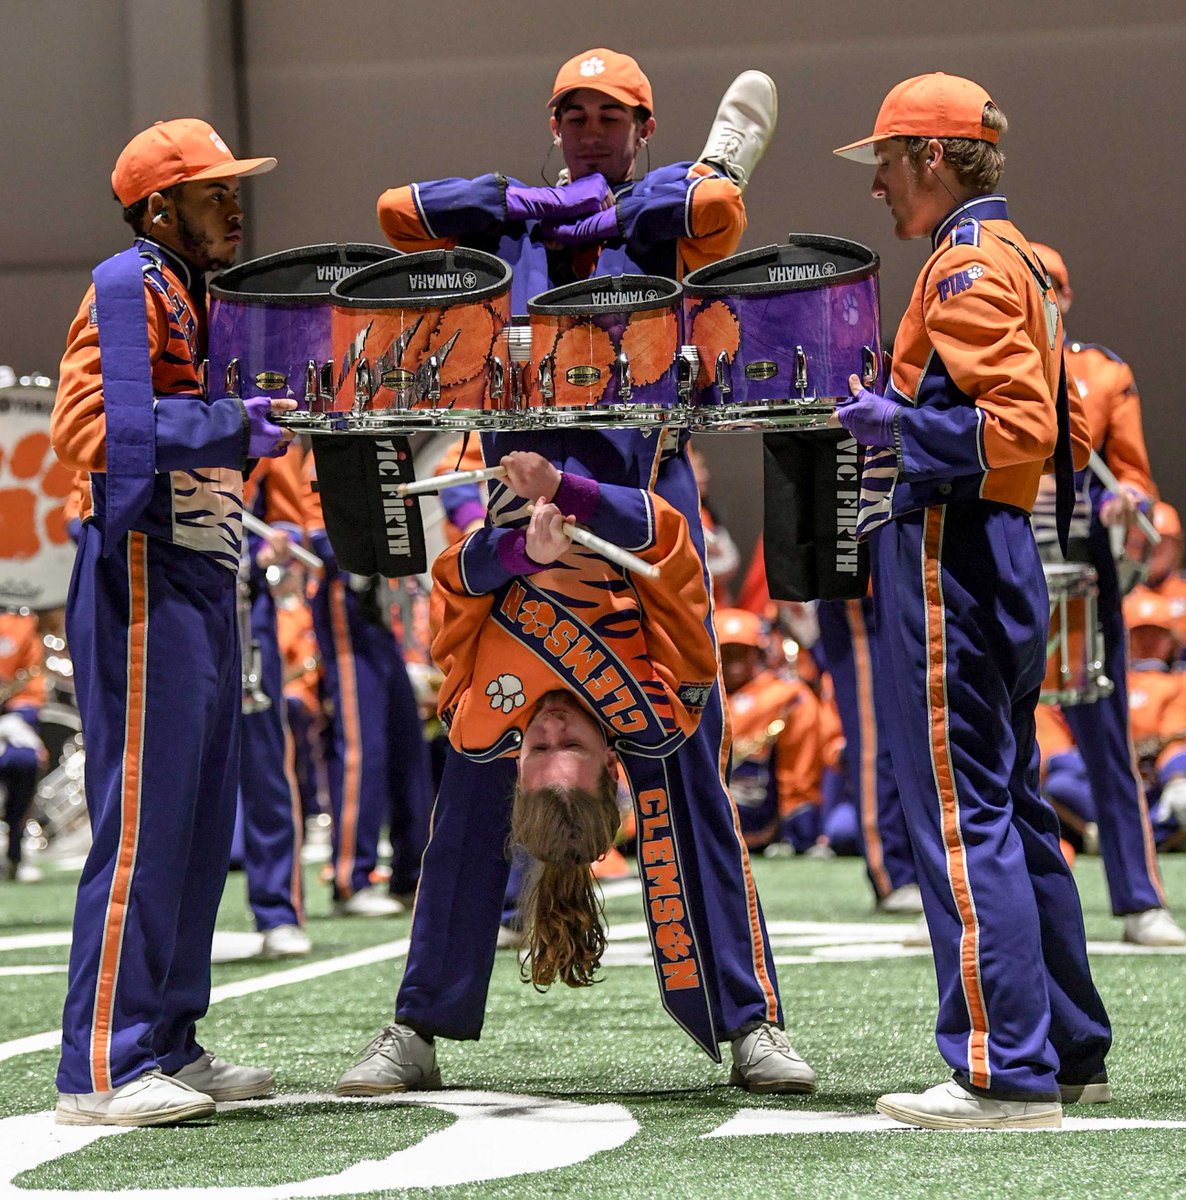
{"type": "Point", "coordinates": [353, 96]}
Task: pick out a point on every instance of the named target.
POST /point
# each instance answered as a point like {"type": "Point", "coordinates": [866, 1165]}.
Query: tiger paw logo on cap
{"type": "Point", "coordinates": [222, 146]}
{"type": "Point", "coordinates": [593, 66]}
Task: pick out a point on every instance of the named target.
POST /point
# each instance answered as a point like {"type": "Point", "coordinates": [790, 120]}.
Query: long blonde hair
{"type": "Point", "coordinates": [565, 830]}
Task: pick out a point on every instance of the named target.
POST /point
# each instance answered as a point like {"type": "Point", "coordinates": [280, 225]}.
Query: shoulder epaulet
{"type": "Point", "coordinates": [1076, 347]}
{"type": "Point", "coordinates": [966, 232]}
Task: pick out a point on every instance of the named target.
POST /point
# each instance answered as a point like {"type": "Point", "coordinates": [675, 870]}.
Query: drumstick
{"type": "Point", "coordinates": [1099, 468]}
{"type": "Point", "coordinates": [608, 550]}
{"type": "Point", "coordinates": [255, 525]}
{"type": "Point", "coordinates": [451, 479]}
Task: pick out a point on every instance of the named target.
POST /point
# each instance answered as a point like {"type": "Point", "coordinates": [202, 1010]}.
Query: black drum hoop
{"type": "Point", "coordinates": [340, 296]}
{"type": "Point", "coordinates": [703, 281]}
{"type": "Point", "coordinates": [553, 303]}
{"type": "Point", "coordinates": [226, 285]}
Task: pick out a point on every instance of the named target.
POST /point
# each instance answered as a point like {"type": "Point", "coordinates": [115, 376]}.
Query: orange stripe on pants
{"type": "Point", "coordinates": [125, 861]}
{"type": "Point", "coordinates": [351, 738]}
{"type": "Point", "coordinates": [979, 1073]}
{"type": "Point", "coordinates": [863, 670]}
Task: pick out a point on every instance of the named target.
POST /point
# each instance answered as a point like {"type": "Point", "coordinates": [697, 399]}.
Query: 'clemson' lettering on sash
{"type": "Point", "coordinates": [664, 893]}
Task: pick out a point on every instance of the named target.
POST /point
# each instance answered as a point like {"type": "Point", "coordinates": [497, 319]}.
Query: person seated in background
{"type": "Point", "coordinates": [777, 761]}
{"type": "Point", "coordinates": [1157, 705]}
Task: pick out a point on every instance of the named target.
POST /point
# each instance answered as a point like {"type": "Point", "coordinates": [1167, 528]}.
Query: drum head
{"type": "Point", "coordinates": [807, 260]}
{"type": "Point", "coordinates": [301, 276]}
{"type": "Point", "coordinates": [607, 294]}
{"type": "Point", "coordinates": [429, 279]}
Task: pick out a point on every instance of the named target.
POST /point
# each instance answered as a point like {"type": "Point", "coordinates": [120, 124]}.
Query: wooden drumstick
{"type": "Point", "coordinates": [608, 550]}
{"type": "Point", "coordinates": [1101, 471]}
{"type": "Point", "coordinates": [255, 525]}
{"type": "Point", "coordinates": [420, 487]}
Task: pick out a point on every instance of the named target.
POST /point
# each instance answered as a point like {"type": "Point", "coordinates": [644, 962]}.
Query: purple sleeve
{"type": "Point", "coordinates": [192, 433]}
{"type": "Point", "coordinates": [577, 497]}
{"type": "Point", "coordinates": [455, 208]}
{"type": "Point", "coordinates": [463, 504]}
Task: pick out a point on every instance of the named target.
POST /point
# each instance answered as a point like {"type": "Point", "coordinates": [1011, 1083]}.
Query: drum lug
{"type": "Point", "coordinates": [801, 371]}
{"type": "Point", "coordinates": [363, 393]}
{"type": "Point", "coordinates": [687, 367]}
{"type": "Point", "coordinates": [622, 366]}
{"type": "Point", "coordinates": [547, 377]}
{"type": "Point", "coordinates": [231, 382]}
{"type": "Point", "coordinates": [868, 366]}
{"type": "Point", "coordinates": [311, 396]}
{"type": "Point", "coordinates": [497, 378]}
{"type": "Point", "coordinates": [432, 384]}
{"type": "Point", "coordinates": [724, 374]}
{"type": "Point", "coordinates": [325, 386]}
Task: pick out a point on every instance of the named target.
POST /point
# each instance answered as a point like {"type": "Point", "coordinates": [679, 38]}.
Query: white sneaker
{"type": "Point", "coordinates": [1098, 1091]}
{"type": "Point", "coordinates": [764, 1061]}
{"type": "Point", "coordinates": [919, 934]}
{"type": "Point", "coordinates": [510, 938]}
{"type": "Point", "coordinates": [150, 1099]}
{"type": "Point", "coordinates": [904, 899]}
{"type": "Point", "coordinates": [398, 1059]}
{"type": "Point", "coordinates": [1153, 927]}
{"type": "Point", "coordinates": [949, 1106]}
{"type": "Point", "coordinates": [221, 1080]}
{"type": "Point", "coordinates": [23, 872]}
{"type": "Point", "coordinates": [368, 903]}
{"type": "Point", "coordinates": [286, 941]}
{"type": "Point", "coordinates": [1091, 838]}
{"type": "Point", "coordinates": [743, 126]}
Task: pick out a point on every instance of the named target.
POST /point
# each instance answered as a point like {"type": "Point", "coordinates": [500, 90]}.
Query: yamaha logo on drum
{"type": "Point", "coordinates": [638, 296]}
{"type": "Point", "coordinates": [397, 377]}
{"type": "Point", "coordinates": [443, 281]}
{"type": "Point", "coordinates": [270, 381]}
{"type": "Point", "coordinates": [798, 272]}
{"type": "Point", "coordinates": [762, 369]}
{"type": "Point", "coordinates": [331, 274]}
{"type": "Point", "coordinates": [583, 376]}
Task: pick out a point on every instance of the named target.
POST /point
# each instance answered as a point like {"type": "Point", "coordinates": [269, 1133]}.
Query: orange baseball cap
{"type": "Point", "coordinates": [1166, 520]}
{"type": "Point", "coordinates": [931, 106]}
{"type": "Point", "coordinates": [1145, 607]}
{"type": "Point", "coordinates": [1054, 264]}
{"type": "Point", "coordinates": [180, 151]}
{"type": "Point", "coordinates": [738, 627]}
{"type": "Point", "coordinates": [617, 75]}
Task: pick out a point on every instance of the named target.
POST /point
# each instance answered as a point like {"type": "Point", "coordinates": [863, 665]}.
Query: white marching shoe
{"type": "Point", "coordinates": [369, 902]}
{"type": "Point", "coordinates": [1153, 927]}
{"type": "Point", "coordinates": [764, 1061]}
{"type": "Point", "coordinates": [286, 941]}
{"type": "Point", "coordinates": [949, 1106]}
{"type": "Point", "coordinates": [149, 1099]}
{"type": "Point", "coordinates": [221, 1080]}
{"type": "Point", "coordinates": [398, 1059]}
{"type": "Point", "coordinates": [743, 126]}
{"type": "Point", "coordinates": [904, 899]}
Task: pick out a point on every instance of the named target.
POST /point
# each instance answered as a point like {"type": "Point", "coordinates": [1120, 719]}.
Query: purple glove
{"type": "Point", "coordinates": [265, 439]}
{"type": "Point", "coordinates": [601, 227]}
{"type": "Point", "coordinates": [869, 418]}
{"type": "Point", "coordinates": [587, 195]}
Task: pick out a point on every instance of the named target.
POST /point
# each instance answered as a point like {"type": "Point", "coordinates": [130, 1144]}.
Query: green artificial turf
{"type": "Point", "coordinates": [866, 1027]}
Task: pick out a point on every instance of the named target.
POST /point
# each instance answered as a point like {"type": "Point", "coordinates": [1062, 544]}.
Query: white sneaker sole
{"type": "Point", "coordinates": [361, 1088]}
{"type": "Point", "coordinates": [170, 1116]}
{"type": "Point", "coordinates": [925, 1120]}
{"type": "Point", "coordinates": [773, 1087]}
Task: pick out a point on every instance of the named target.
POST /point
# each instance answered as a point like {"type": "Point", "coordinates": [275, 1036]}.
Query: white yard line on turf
{"type": "Point", "coordinates": [244, 987]}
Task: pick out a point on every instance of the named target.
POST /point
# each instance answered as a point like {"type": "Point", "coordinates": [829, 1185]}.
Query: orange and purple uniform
{"type": "Point", "coordinates": [957, 577]}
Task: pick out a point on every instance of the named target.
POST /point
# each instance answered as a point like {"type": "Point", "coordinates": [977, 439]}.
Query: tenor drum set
{"type": "Point", "coordinates": [370, 342]}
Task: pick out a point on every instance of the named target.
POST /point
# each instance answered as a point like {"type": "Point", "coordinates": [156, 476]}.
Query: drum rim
{"type": "Point", "coordinates": [219, 290]}
{"type": "Point", "coordinates": [694, 287]}
{"type": "Point", "coordinates": [546, 303]}
{"type": "Point", "coordinates": [342, 300]}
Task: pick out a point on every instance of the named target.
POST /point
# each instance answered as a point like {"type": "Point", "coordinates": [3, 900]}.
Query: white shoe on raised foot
{"type": "Point", "coordinates": [149, 1099]}
{"type": "Point", "coordinates": [221, 1080]}
{"type": "Point", "coordinates": [918, 934]}
{"type": "Point", "coordinates": [1153, 927]}
{"type": "Point", "coordinates": [743, 126]}
{"type": "Point", "coordinates": [368, 903]}
{"type": "Point", "coordinates": [949, 1106]}
{"type": "Point", "coordinates": [904, 899]}
{"type": "Point", "coordinates": [286, 941]}
{"type": "Point", "coordinates": [398, 1059]}
{"type": "Point", "coordinates": [764, 1061]}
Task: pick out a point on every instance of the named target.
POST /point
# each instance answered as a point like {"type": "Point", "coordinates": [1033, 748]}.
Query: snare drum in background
{"type": "Point", "coordinates": [778, 331]}
{"type": "Point", "coordinates": [270, 325]}
{"type": "Point", "coordinates": [420, 343]}
{"type": "Point", "coordinates": [604, 352]}
{"type": "Point", "coordinates": [1074, 646]}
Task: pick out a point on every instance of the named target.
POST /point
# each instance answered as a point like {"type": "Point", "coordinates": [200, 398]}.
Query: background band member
{"type": "Point", "coordinates": [1113, 408]}
{"type": "Point", "coordinates": [151, 625]}
{"type": "Point", "coordinates": [978, 408]}
{"type": "Point", "coordinates": [22, 753]}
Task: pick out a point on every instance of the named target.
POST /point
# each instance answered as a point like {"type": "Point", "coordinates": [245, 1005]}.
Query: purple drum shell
{"type": "Point", "coordinates": [272, 314]}
{"type": "Point", "coordinates": [833, 316]}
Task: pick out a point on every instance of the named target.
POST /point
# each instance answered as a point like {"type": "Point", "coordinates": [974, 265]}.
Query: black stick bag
{"type": "Point", "coordinates": [812, 481]}
{"type": "Point", "coordinates": [372, 530]}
